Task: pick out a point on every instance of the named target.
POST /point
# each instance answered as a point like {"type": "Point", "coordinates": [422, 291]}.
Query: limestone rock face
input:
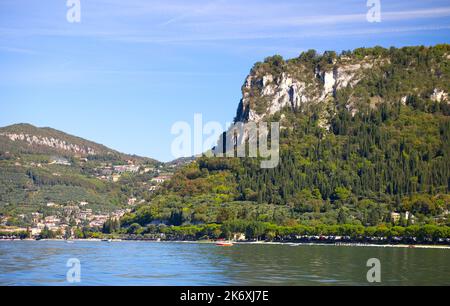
{"type": "Point", "coordinates": [49, 142]}
{"type": "Point", "coordinates": [266, 94]}
{"type": "Point", "coordinates": [439, 96]}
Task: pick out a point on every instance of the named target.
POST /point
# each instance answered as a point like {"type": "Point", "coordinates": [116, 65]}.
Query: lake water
{"type": "Point", "coordinates": [144, 263]}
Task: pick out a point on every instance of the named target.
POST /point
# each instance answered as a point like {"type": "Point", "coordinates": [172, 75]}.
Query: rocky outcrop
{"type": "Point", "coordinates": [267, 94]}
{"type": "Point", "coordinates": [49, 142]}
{"type": "Point", "coordinates": [439, 96]}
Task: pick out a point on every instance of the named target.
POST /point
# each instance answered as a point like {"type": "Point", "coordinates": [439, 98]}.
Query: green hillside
{"type": "Point", "coordinates": [376, 145]}
{"type": "Point", "coordinates": [51, 147]}
{"type": "Point", "coordinates": [47, 166]}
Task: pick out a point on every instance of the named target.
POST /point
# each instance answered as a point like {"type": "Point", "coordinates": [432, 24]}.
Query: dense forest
{"type": "Point", "coordinates": [390, 156]}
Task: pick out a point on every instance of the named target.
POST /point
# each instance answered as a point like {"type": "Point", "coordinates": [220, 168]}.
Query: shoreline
{"type": "Point", "coordinates": [292, 244]}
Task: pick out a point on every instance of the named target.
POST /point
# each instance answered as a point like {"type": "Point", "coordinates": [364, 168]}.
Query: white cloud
{"type": "Point", "coordinates": [163, 22]}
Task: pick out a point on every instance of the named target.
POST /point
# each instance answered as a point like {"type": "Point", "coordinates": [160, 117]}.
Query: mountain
{"type": "Point", "coordinates": [364, 150]}
{"type": "Point", "coordinates": [365, 141]}
{"type": "Point", "coordinates": [180, 162]}
{"type": "Point", "coordinates": [355, 80]}
{"type": "Point", "coordinates": [26, 138]}
{"type": "Point", "coordinates": [46, 171]}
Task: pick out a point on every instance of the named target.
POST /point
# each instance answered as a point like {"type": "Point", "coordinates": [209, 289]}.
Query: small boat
{"type": "Point", "coordinates": [225, 244]}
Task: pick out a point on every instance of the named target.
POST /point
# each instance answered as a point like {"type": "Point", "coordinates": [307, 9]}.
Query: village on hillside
{"type": "Point", "coordinates": [65, 219]}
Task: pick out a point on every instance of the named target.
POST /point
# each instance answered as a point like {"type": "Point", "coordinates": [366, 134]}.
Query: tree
{"type": "Point", "coordinates": [224, 215]}
{"type": "Point", "coordinates": [47, 234]}
{"type": "Point", "coordinates": [110, 226]}
{"type": "Point", "coordinates": [342, 217]}
{"type": "Point", "coordinates": [134, 228]}
{"type": "Point", "coordinates": [342, 194]}
{"type": "Point", "coordinates": [255, 230]}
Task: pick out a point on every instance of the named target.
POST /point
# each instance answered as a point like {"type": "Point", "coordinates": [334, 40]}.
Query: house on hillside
{"type": "Point", "coordinates": [395, 217]}
{"type": "Point", "coordinates": [60, 161]}
{"type": "Point", "coordinates": [161, 179]}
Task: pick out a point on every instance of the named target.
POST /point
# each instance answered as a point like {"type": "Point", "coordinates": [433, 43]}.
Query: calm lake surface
{"type": "Point", "coordinates": [144, 263]}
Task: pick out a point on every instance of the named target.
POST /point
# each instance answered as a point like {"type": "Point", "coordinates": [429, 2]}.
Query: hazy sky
{"type": "Point", "coordinates": [132, 68]}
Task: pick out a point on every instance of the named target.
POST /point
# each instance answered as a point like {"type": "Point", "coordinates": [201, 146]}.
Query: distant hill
{"type": "Point", "coordinates": [180, 162]}
{"type": "Point", "coordinates": [28, 139]}
{"type": "Point", "coordinates": [43, 165]}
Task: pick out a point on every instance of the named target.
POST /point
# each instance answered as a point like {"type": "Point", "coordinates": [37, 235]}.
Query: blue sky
{"type": "Point", "coordinates": [130, 69]}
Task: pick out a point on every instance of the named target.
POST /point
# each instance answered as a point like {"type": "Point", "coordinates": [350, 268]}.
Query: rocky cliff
{"type": "Point", "coordinates": [330, 79]}
{"type": "Point", "coordinates": [28, 139]}
{"type": "Point", "coordinates": [50, 142]}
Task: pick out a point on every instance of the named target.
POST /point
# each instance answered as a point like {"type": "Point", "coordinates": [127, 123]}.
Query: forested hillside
{"type": "Point", "coordinates": [48, 172]}
{"type": "Point", "coordinates": [364, 149]}
{"type": "Point", "coordinates": [364, 142]}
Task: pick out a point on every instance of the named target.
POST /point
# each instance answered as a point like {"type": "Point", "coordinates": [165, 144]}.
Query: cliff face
{"type": "Point", "coordinates": [49, 142]}
{"type": "Point", "coordinates": [327, 80]}
{"type": "Point", "coordinates": [266, 94]}
{"type": "Point", "coordinates": [25, 137]}
{"type": "Point", "coordinates": [28, 139]}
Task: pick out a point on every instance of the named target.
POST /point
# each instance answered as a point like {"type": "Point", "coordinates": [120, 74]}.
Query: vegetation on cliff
{"type": "Point", "coordinates": [387, 153]}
